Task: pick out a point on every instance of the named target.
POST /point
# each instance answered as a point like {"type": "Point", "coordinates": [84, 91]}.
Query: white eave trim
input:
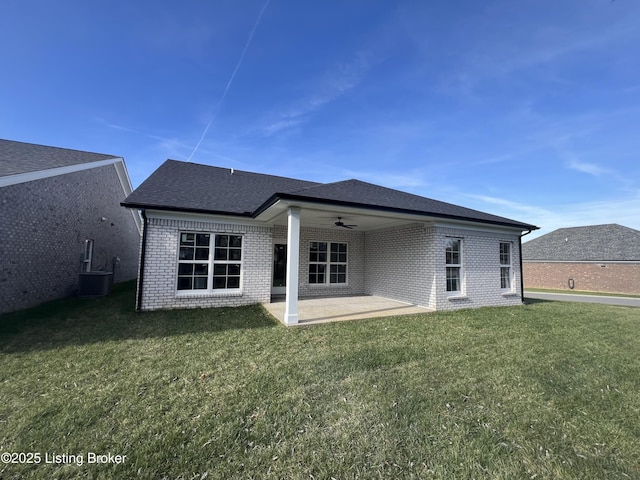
{"type": "Point", "coordinates": [53, 172]}
{"type": "Point", "coordinates": [281, 205]}
{"type": "Point", "coordinates": [202, 217]}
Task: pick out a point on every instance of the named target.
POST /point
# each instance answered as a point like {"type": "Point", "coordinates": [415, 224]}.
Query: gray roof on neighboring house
{"type": "Point", "coordinates": [611, 242]}
{"type": "Point", "coordinates": [19, 157]}
{"type": "Point", "coordinates": [191, 187]}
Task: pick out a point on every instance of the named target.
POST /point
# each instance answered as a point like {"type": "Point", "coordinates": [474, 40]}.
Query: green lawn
{"type": "Point", "coordinates": [547, 390]}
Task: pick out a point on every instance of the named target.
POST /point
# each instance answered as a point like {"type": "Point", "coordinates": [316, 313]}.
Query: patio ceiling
{"type": "Point", "coordinates": [324, 216]}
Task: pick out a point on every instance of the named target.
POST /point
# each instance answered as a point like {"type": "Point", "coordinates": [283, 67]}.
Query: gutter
{"type": "Point", "coordinates": [143, 252]}
{"type": "Point", "coordinates": [168, 208]}
{"type": "Point", "coordinates": [521, 271]}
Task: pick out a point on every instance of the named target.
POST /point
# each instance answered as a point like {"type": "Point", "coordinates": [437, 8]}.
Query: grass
{"type": "Point", "coordinates": [581, 292]}
{"type": "Point", "coordinates": [548, 390]}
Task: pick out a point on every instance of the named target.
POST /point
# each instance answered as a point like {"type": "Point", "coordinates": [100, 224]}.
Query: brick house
{"type": "Point", "coordinates": [218, 237]}
{"type": "Point", "coordinates": [597, 258]}
{"type": "Point", "coordinates": [60, 214]}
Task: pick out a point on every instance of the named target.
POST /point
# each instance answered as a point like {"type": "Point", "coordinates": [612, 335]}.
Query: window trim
{"type": "Point", "coordinates": [508, 266]}
{"type": "Point", "coordinates": [211, 263]}
{"type": "Point", "coordinates": [459, 266]}
{"type": "Point", "coordinates": [328, 264]}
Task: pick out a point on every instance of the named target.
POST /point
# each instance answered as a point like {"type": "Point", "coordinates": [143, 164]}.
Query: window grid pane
{"type": "Point", "coordinates": [505, 277]}
{"type": "Point", "coordinates": [452, 251]}
{"type": "Point", "coordinates": [203, 239]}
{"type": "Point", "coordinates": [226, 276]}
{"type": "Point", "coordinates": [195, 264]}
{"type": "Point", "coordinates": [453, 261]}
{"type": "Point", "coordinates": [317, 273]}
{"type": "Point", "coordinates": [505, 254]}
{"type": "Point", "coordinates": [327, 257]}
{"type": "Point", "coordinates": [338, 274]}
{"type": "Point", "coordinates": [453, 279]}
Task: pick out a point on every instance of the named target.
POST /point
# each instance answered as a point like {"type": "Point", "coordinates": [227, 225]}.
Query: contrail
{"type": "Point", "coordinates": [235, 70]}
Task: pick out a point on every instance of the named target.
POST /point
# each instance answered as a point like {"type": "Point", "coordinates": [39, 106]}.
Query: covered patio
{"type": "Point", "coordinates": [298, 224]}
{"type": "Point", "coordinates": [335, 309]}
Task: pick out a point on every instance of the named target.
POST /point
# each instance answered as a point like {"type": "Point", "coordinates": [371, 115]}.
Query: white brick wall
{"type": "Point", "coordinates": [355, 260]}
{"type": "Point", "coordinates": [161, 264]}
{"type": "Point", "coordinates": [406, 263]}
{"type": "Point", "coordinates": [399, 264]}
{"type": "Point", "coordinates": [480, 269]}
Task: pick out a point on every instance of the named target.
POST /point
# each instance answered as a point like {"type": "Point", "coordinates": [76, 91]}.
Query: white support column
{"type": "Point", "coordinates": [293, 264]}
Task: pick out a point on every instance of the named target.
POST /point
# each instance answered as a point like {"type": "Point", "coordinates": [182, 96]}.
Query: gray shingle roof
{"type": "Point", "coordinates": [611, 242]}
{"type": "Point", "coordinates": [19, 157]}
{"type": "Point", "coordinates": [357, 192]}
{"type": "Point", "coordinates": [192, 187]}
{"type": "Point", "coordinates": [201, 188]}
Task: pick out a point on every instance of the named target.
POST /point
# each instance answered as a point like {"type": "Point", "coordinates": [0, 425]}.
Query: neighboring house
{"type": "Point", "coordinates": [60, 214]}
{"type": "Point", "coordinates": [598, 258]}
{"type": "Point", "coordinates": [219, 237]}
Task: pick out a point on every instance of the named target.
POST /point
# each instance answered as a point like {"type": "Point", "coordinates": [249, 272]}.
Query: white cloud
{"type": "Point", "coordinates": [624, 211]}
{"type": "Point", "coordinates": [510, 205]}
{"type": "Point", "coordinates": [335, 83]}
{"type": "Point", "coordinates": [590, 168]}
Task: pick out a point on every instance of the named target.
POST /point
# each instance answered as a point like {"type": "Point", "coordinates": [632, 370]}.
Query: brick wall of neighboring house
{"type": "Point", "coordinates": [594, 277]}
{"type": "Point", "coordinates": [44, 227]}
{"type": "Point", "coordinates": [159, 290]}
{"type": "Point", "coordinates": [399, 264]}
{"type": "Point", "coordinates": [480, 269]}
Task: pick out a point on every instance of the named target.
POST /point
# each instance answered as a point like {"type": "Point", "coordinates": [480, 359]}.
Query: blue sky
{"type": "Point", "coordinates": [527, 109]}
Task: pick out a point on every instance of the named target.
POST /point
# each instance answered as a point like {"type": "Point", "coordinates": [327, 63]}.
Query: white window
{"type": "Point", "coordinates": [88, 255]}
{"type": "Point", "coordinates": [453, 255]}
{"type": "Point", "coordinates": [505, 266]}
{"type": "Point", "coordinates": [209, 262]}
{"type": "Point", "coordinates": [327, 262]}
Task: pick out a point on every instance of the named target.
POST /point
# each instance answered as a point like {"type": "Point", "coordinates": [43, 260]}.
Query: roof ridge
{"type": "Point", "coordinates": [320, 185]}
{"type": "Point", "coordinates": [236, 170]}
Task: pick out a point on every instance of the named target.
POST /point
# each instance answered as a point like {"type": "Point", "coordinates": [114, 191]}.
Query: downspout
{"type": "Point", "coordinates": [143, 251]}
{"type": "Point", "coordinates": [521, 270]}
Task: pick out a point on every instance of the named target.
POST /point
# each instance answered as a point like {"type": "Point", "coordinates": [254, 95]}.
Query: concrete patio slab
{"type": "Point", "coordinates": [337, 309]}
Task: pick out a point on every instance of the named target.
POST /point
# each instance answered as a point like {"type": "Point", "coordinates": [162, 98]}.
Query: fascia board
{"type": "Point", "coordinates": [479, 226]}
{"type": "Point", "coordinates": [53, 172]}
{"type": "Point", "coordinates": [294, 200]}
{"type": "Point", "coordinates": [201, 217]}
{"type": "Point", "coordinates": [127, 188]}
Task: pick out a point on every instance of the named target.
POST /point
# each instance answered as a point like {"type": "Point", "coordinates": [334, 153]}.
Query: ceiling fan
{"type": "Point", "coordinates": [340, 223]}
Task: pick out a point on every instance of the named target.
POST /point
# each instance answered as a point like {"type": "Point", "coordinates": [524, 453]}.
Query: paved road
{"type": "Point", "coordinates": [573, 297]}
